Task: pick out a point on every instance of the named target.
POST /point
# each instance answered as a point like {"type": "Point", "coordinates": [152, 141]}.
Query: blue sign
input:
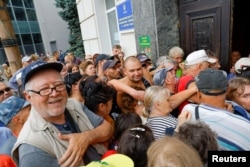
{"type": "Point", "coordinates": [125, 16]}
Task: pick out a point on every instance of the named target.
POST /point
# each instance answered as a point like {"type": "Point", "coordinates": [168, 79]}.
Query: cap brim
{"type": "Point", "coordinates": [101, 57]}
{"type": "Point", "coordinates": [113, 63]}
{"type": "Point", "coordinates": [26, 59]}
{"type": "Point", "coordinates": [211, 60]}
{"type": "Point", "coordinates": [52, 65]}
{"type": "Point", "coordinates": [146, 59]}
{"type": "Point", "coordinates": [110, 65]}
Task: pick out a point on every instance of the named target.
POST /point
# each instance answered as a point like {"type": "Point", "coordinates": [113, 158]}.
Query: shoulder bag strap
{"type": "Point", "coordinates": [197, 117]}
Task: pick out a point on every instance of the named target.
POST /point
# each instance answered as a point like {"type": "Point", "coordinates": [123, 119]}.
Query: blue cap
{"type": "Point", "coordinates": [109, 64]}
{"type": "Point", "coordinates": [102, 57]}
{"type": "Point", "coordinates": [10, 107]}
{"type": "Point", "coordinates": [160, 76]}
{"type": "Point", "coordinates": [142, 57]}
{"type": "Point", "coordinates": [37, 66]}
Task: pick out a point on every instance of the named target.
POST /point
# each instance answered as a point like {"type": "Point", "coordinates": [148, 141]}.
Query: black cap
{"type": "Point", "coordinates": [102, 57]}
{"type": "Point", "coordinates": [212, 82]}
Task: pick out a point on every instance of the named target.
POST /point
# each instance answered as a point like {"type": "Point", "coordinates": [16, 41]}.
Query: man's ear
{"type": "Point", "coordinates": [198, 94]}
{"type": "Point", "coordinates": [106, 72]}
{"type": "Point", "coordinates": [124, 71]}
{"type": "Point", "coordinates": [166, 80]}
{"type": "Point", "coordinates": [27, 96]}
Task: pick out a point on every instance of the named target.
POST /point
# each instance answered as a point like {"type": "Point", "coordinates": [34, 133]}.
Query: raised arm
{"type": "Point", "coordinates": [122, 87]}
{"type": "Point", "coordinates": [176, 99]}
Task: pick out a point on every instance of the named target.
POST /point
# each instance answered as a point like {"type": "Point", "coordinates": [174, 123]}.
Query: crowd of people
{"type": "Point", "coordinates": [123, 110]}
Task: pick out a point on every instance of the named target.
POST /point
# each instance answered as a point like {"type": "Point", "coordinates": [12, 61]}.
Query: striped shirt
{"type": "Point", "coordinates": [161, 125]}
{"type": "Point", "coordinates": [233, 131]}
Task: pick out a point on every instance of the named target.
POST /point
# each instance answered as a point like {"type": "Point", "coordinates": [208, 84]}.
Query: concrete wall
{"type": "Point", "coordinates": [53, 28]}
{"type": "Point", "coordinates": [159, 20]}
{"type": "Point", "coordinates": [95, 29]}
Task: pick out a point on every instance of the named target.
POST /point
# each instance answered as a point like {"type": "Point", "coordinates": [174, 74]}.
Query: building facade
{"type": "Point", "coordinates": [148, 26]}
{"type": "Point", "coordinates": [38, 27]}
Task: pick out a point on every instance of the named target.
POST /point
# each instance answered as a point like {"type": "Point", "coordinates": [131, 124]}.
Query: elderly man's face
{"type": "Point", "coordinates": [50, 107]}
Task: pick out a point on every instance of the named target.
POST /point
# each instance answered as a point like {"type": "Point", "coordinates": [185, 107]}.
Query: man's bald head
{"type": "Point", "coordinates": [129, 60]}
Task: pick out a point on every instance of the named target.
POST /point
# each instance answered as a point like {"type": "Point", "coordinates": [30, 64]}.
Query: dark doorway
{"type": "Point", "coordinates": [205, 24]}
{"type": "Point", "coordinates": [241, 27]}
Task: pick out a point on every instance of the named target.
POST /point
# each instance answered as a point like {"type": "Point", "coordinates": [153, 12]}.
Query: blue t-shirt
{"type": "Point", "coordinates": [30, 156]}
{"type": "Point", "coordinates": [5, 133]}
{"type": "Point", "coordinates": [8, 145]}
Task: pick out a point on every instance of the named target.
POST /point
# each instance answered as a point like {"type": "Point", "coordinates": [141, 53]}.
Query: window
{"type": "Point", "coordinates": [17, 3]}
{"type": "Point", "coordinates": [109, 4]}
{"type": "Point", "coordinates": [29, 49]}
{"type": "Point", "coordinates": [26, 27]}
{"type": "Point", "coordinates": [37, 38]}
{"type": "Point", "coordinates": [28, 4]}
{"type": "Point", "coordinates": [113, 27]}
{"type": "Point", "coordinates": [23, 27]}
{"type": "Point", "coordinates": [18, 39]}
{"type": "Point", "coordinates": [26, 39]}
{"type": "Point", "coordinates": [19, 13]}
{"type": "Point", "coordinates": [31, 14]}
{"type": "Point", "coordinates": [112, 21]}
{"type": "Point", "coordinates": [34, 26]}
{"type": "Point", "coordinates": [39, 49]}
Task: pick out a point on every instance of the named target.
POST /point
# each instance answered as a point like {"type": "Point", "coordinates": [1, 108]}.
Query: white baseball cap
{"type": "Point", "coordinates": [198, 57]}
{"type": "Point", "coordinates": [244, 61]}
{"type": "Point", "coordinates": [26, 58]}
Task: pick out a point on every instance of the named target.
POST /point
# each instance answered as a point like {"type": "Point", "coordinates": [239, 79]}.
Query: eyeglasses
{"type": "Point", "coordinates": [48, 91]}
{"type": "Point", "coordinates": [7, 89]}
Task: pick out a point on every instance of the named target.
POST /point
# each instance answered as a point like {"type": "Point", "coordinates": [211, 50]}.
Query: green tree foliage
{"type": "Point", "coordinates": [70, 15]}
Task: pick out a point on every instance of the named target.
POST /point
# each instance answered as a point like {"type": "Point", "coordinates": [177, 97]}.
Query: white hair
{"type": "Point", "coordinates": [175, 50]}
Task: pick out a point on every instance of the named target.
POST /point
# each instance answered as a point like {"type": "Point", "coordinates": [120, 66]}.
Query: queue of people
{"type": "Point", "coordinates": [121, 110]}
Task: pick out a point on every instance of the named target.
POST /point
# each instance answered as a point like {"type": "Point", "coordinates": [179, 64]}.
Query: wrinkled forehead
{"type": "Point", "coordinates": [48, 75]}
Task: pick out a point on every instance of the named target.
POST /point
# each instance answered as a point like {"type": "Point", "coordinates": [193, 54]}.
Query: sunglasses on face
{"type": "Point", "coordinates": [7, 89]}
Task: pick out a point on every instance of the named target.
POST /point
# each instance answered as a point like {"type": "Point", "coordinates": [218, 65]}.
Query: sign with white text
{"type": "Point", "coordinates": [125, 16]}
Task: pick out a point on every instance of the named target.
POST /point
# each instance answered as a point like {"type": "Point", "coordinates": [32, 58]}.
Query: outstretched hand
{"type": "Point", "coordinates": [182, 118]}
{"type": "Point", "coordinates": [78, 144]}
